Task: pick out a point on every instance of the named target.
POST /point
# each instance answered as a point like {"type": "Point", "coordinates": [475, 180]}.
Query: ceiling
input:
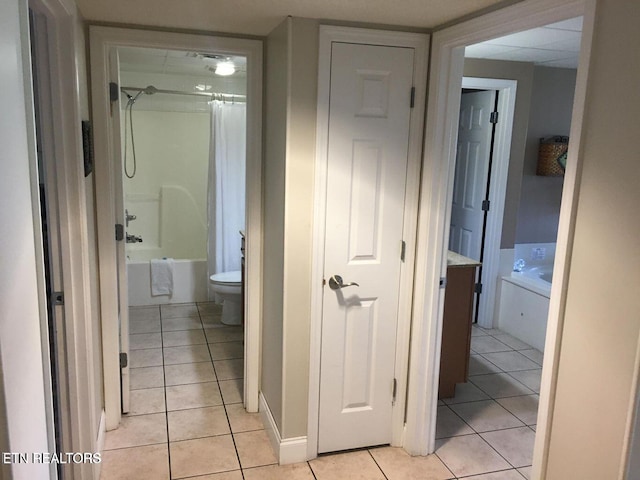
{"type": "Point", "coordinates": [555, 45]}
{"type": "Point", "coordinates": [155, 60]}
{"type": "Point", "coordinates": [259, 17]}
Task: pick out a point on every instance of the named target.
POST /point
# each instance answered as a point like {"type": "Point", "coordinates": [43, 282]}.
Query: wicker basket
{"type": "Point", "coordinates": [551, 149]}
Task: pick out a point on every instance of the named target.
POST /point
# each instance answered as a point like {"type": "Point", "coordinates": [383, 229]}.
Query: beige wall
{"type": "Point", "coordinates": [550, 115]}
{"type": "Point", "coordinates": [602, 318]}
{"type": "Point", "coordinates": [292, 73]}
{"type": "Point", "coordinates": [523, 73]}
{"type": "Point", "coordinates": [276, 78]}
{"type": "Point", "coordinates": [301, 147]}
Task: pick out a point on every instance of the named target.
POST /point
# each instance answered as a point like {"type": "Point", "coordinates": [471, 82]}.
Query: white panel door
{"type": "Point", "coordinates": [367, 169]}
{"type": "Point", "coordinates": [472, 168]}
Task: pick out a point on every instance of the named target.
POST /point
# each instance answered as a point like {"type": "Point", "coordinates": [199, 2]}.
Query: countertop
{"type": "Point", "coordinates": [456, 260]}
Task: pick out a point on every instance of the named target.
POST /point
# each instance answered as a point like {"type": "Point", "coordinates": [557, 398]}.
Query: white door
{"type": "Point", "coordinates": [367, 169]}
{"type": "Point", "coordinates": [472, 169]}
{"type": "Point", "coordinates": [123, 297]}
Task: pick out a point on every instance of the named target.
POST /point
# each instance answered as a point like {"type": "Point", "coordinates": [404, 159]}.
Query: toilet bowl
{"type": "Point", "coordinates": [228, 287]}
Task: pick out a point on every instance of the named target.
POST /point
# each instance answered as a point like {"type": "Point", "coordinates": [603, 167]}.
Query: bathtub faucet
{"type": "Point", "coordinates": [128, 218]}
{"type": "Point", "coordinates": [134, 238]}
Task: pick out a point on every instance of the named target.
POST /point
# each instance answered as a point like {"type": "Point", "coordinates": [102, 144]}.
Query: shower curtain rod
{"type": "Point", "coordinates": [231, 96]}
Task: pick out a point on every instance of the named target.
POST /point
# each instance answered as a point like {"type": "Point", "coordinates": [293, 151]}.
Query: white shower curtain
{"type": "Point", "coordinates": [226, 195]}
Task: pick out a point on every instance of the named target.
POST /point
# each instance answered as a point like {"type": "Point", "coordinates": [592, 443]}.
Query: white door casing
{"type": "Point", "coordinates": [442, 118]}
{"type": "Point", "coordinates": [498, 180]}
{"type": "Point", "coordinates": [471, 172]}
{"type": "Point", "coordinates": [369, 123]}
{"type": "Point", "coordinates": [102, 41]}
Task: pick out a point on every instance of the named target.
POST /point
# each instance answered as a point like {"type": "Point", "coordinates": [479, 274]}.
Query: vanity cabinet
{"type": "Point", "coordinates": [456, 328]}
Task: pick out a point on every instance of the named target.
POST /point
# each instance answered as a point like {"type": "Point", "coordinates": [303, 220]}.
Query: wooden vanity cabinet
{"type": "Point", "coordinates": [456, 329]}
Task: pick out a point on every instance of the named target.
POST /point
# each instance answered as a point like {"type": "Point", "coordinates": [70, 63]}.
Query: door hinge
{"type": "Point", "coordinates": [443, 282]}
{"type": "Point", "coordinates": [124, 360]}
{"type": "Point", "coordinates": [478, 288]}
{"type": "Point", "coordinates": [57, 298]}
{"type": "Point", "coordinates": [413, 97]}
{"type": "Point", "coordinates": [403, 250]}
{"type": "Point", "coordinates": [114, 91]}
{"type": "Point", "coordinates": [494, 117]}
{"type": "Point", "coordinates": [485, 205]}
{"type": "Point", "coordinates": [395, 390]}
{"type": "Point", "coordinates": [119, 232]}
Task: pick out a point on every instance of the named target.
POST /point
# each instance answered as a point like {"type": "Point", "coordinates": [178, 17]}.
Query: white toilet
{"type": "Point", "coordinates": [228, 287]}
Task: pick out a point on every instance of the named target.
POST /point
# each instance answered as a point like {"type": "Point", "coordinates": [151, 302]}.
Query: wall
{"type": "Point", "coordinates": [23, 422]}
{"type": "Point", "coordinates": [169, 191]}
{"type": "Point", "coordinates": [523, 73]}
{"type": "Point", "coordinates": [292, 59]}
{"type": "Point", "coordinates": [599, 338]}
{"type": "Point", "coordinates": [275, 135]}
{"type": "Point", "coordinates": [550, 114]}
{"type": "Point", "coordinates": [299, 186]}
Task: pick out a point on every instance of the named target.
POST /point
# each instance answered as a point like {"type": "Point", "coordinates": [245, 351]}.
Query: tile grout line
{"type": "Point", "coordinates": [377, 464]}
{"type": "Point", "coordinates": [224, 405]}
{"type": "Point", "coordinates": [166, 403]}
{"type": "Point", "coordinates": [492, 398]}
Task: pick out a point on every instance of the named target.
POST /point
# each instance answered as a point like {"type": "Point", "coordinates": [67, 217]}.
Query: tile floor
{"type": "Point", "coordinates": [187, 420]}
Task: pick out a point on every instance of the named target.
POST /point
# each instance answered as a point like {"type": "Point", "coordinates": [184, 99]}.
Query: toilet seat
{"type": "Point", "coordinates": [231, 279]}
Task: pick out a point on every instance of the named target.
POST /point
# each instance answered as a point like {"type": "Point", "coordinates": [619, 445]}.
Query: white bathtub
{"type": "Point", "coordinates": [190, 282]}
{"type": "Point", "coordinates": [524, 304]}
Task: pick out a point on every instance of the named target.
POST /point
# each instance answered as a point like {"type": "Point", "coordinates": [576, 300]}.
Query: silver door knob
{"type": "Point", "coordinates": [336, 283]}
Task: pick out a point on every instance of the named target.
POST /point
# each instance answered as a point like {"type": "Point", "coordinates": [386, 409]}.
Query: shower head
{"type": "Point", "coordinates": [150, 90]}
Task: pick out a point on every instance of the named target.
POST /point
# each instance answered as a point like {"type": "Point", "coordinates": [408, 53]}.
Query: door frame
{"type": "Point", "coordinates": [102, 40]}
{"type": "Point", "coordinates": [419, 42]}
{"type": "Point", "coordinates": [79, 418]}
{"type": "Point", "coordinates": [507, 90]}
{"type": "Point", "coordinates": [440, 143]}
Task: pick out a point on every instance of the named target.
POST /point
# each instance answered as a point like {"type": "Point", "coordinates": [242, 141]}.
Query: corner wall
{"type": "Point", "coordinates": [275, 133]}
{"type": "Point", "coordinates": [292, 77]}
{"type": "Point", "coordinates": [550, 115]}
{"type": "Point", "coordinates": [602, 315]}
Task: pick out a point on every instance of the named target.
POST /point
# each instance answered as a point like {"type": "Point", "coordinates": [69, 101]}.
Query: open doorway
{"type": "Point", "coordinates": [183, 121]}
{"type": "Point", "coordinates": [160, 84]}
{"type": "Point", "coordinates": [496, 410]}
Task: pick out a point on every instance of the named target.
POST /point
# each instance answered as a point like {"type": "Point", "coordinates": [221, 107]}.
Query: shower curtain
{"type": "Point", "coordinates": [226, 187]}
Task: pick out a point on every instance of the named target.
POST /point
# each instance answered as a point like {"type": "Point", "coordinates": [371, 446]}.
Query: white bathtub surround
{"type": "Point", "coordinates": [189, 282]}
{"type": "Point", "coordinates": [524, 308]}
{"type": "Point", "coordinates": [168, 194]}
{"type": "Point", "coordinates": [226, 187]}
{"type": "Point", "coordinates": [524, 296]}
{"type": "Point", "coordinates": [162, 276]}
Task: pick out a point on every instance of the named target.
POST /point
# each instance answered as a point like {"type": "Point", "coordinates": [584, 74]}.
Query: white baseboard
{"type": "Point", "coordinates": [289, 450]}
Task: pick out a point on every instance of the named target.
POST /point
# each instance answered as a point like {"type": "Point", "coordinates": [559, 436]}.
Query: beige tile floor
{"type": "Point", "coordinates": [187, 420]}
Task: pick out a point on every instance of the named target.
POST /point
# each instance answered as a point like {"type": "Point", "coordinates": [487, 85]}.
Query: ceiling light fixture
{"type": "Point", "coordinates": [225, 68]}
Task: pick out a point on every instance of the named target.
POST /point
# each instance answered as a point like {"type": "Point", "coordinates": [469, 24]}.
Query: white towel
{"type": "Point", "coordinates": [162, 276]}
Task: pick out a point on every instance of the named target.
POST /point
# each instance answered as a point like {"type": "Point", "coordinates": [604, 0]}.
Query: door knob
{"type": "Point", "coordinates": [335, 283]}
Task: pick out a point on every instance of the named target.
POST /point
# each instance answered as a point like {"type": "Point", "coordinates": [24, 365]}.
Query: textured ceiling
{"type": "Point", "coordinates": [555, 45]}
{"type": "Point", "coordinates": [259, 17]}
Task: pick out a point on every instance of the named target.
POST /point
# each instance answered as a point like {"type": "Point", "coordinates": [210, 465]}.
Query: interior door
{"type": "Point", "coordinates": [471, 174]}
{"type": "Point", "coordinates": [367, 169]}
{"type": "Point", "coordinates": [121, 263]}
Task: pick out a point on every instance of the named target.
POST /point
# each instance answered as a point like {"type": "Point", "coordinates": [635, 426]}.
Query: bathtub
{"type": "Point", "coordinates": [190, 282]}
{"type": "Point", "coordinates": [524, 304]}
